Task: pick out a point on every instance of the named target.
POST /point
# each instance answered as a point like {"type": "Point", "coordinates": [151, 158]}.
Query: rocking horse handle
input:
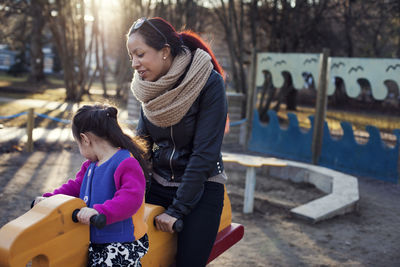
{"type": "Point", "coordinates": [177, 226]}
{"type": "Point", "coordinates": [99, 221]}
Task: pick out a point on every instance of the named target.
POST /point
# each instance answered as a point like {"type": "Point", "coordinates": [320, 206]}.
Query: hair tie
{"type": "Point", "coordinates": [111, 112]}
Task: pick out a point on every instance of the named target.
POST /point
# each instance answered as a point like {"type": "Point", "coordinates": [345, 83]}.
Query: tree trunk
{"type": "Point", "coordinates": [81, 48]}
{"type": "Point", "coordinates": [68, 32]}
{"type": "Point", "coordinates": [238, 30]}
{"type": "Point", "coordinates": [103, 65]}
{"type": "Point", "coordinates": [191, 17]}
{"type": "Point", "coordinates": [37, 58]}
{"type": "Point", "coordinates": [348, 22]}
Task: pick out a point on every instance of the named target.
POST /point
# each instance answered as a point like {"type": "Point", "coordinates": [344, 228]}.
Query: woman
{"type": "Point", "coordinates": [180, 86]}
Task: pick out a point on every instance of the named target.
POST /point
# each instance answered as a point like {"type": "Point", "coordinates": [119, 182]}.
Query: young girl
{"type": "Point", "coordinates": [111, 182]}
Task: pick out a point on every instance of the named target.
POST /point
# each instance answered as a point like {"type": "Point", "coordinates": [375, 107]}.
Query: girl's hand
{"type": "Point", "coordinates": [37, 200]}
{"type": "Point", "coordinates": [164, 222]}
{"type": "Point", "coordinates": [85, 214]}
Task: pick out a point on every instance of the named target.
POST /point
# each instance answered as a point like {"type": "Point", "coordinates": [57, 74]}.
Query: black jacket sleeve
{"type": "Point", "coordinates": [210, 126]}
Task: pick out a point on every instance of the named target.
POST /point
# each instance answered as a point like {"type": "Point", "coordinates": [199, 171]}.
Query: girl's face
{"type": "Point", "coordinates": [86, 148]}
{"type": "Point", "coordinates": [149, 63]}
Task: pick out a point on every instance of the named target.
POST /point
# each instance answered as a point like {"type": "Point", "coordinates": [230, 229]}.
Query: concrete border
{"type": "Point", "coordinates": [341, 189]}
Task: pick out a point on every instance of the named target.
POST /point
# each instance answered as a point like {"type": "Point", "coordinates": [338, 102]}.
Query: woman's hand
{"type": "Point", "coordinates": [164, 222]}
{"type": "Point", "coordinates": [85, 214]}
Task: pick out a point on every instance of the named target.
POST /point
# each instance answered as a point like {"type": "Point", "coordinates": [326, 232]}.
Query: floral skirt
{"type": "Point", "coordinates": [118, 254]}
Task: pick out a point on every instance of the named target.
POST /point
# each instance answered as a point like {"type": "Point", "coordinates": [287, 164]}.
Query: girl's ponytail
{"type": "Point", "coordinates": [136, 145]}
{"type": "Point", "coordinates": [194, 41]}
{"type": "Point", "coordinates": [139, 150]}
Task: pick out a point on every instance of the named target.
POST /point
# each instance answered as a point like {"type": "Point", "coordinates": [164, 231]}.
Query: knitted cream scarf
{"type": "Point", "coordinates": [165, 106]}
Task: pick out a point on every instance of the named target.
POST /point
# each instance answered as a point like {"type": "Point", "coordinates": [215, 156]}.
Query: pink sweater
{"type": "Point", "coordinates": [130, 186]}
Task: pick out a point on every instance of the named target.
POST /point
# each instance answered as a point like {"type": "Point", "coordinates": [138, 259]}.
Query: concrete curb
{"type": "Point", "coordinates": [342, 190]}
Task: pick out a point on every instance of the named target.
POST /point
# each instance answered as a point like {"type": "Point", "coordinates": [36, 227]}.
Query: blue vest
{"type": "Point", "coordinates": [98, 186]}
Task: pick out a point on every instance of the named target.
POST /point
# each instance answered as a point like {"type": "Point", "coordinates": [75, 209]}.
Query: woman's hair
{"type": "Point", "coordinates": [174, 39]}
{"type": "Point", "coordinates": [101, 120]}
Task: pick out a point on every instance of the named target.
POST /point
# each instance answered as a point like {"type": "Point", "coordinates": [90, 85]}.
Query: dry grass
{"type": "Point", "coordinates": [11, 108]}
{"type": "Point", "coordinates": [333, 117]}
{"type": "Point", "coordinates": [53, 90]}
{"type": "Point", "coordinates": [17, 88]}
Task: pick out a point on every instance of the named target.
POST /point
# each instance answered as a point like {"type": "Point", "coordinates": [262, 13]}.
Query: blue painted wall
{"type": "Point", "coordinates": [373, 159]}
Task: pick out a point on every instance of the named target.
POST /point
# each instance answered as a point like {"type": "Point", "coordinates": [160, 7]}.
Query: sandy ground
{"type": "Point", "coordinates": [369, 237]}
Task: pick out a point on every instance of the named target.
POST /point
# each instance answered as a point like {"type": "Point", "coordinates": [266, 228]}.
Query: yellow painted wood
{"type": "Point", "coordinates": [163, 245]}
{"type": "Point", "coordinates": [226, 216]}
{"type": "Point", "coordinates": [139, 222]}
{"type": "Point", "coordinates": [252, 161]}
{"type": "Point", "coordinates": [162, 248]}
{"type": "Point", "coordinates": [47, 236]}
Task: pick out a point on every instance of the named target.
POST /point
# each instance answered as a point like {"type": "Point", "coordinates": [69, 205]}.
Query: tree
{"type": "Point", "coordinates": [188, 14]}
{"type": "Point", "coordinates": [232, 21]}
{"type": "Point", "coordinates": [67, 25]}
{"type": "Point", "coordinates": [15, 32]}
{"type": "Point", "coordinates": [128, 11]}
{"type": "Point", "coordinates": [36, 44]}
{"type": "Point", "coordinates": [99, 47]}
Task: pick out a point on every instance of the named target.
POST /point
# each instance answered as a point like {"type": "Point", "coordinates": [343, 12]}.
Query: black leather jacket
{"type": "Point", "coordinates": [189, 152]}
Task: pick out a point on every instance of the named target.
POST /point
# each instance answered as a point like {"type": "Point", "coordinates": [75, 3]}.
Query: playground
{"type": "Point", "coordinates": [273, 237]}
{"type": "Point", "coordinates": [313, 151]}
{"type": "Point", "coordinates": [366, 236]}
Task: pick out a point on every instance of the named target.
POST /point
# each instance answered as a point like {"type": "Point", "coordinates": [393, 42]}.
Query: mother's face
{"type": "Point", "coordinates": [150, 63]}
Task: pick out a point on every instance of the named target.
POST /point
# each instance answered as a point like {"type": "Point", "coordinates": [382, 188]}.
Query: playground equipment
{"type": "Point", "coordinates": [374, 159]}
{"type": "Point", "coordinates": [47, 236]}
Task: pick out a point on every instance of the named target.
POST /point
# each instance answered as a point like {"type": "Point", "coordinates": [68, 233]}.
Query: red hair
{"type": "Point", "coordinates": [194, 41]}
{"type": "Point", "coordinates": [188, 38]}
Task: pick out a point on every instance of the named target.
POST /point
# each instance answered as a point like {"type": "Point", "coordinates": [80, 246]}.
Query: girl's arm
{"type": "Point", "coordinates": [130, 184]}
{"type": "Point", "coordinates": [73, 186]}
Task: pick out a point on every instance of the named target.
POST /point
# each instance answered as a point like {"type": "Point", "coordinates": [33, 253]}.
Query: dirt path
{"type": "Point", "coordinates": [273, 237]}
{"type": "Point", "coordinates": [369, 237]}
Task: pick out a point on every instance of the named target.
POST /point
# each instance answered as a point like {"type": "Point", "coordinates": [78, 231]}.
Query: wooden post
{"type": "Point", "coordinates": [320, 109]}
{"type": "Point", "coordinates": [29, 130]}
{"type": "Point", "coordinates": [250, 96]}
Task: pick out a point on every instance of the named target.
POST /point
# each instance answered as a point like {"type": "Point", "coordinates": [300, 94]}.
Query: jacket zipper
{"type": "Point", "coordinates": [89, 186]}
{"type": "Point", "coordinates": [172, 154]}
